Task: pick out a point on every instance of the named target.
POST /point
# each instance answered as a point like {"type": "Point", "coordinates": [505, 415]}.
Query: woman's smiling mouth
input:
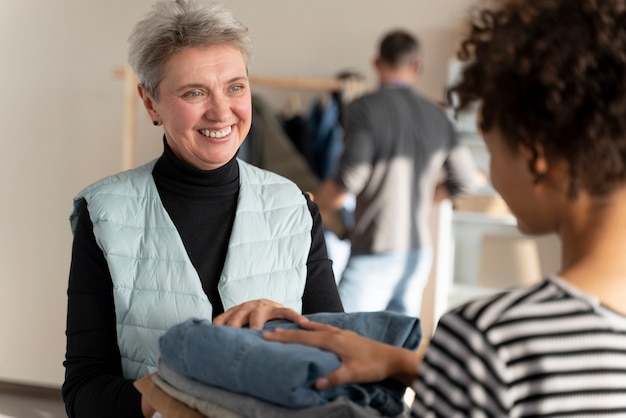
{"type": "Point", "coordinates": [216, 134]}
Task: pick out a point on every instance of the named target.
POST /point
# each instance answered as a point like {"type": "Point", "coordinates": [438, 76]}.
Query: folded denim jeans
{"type": "Point", "coordinates": [220, 403]}
{"type": "Point", "coordinates": [240, 360]}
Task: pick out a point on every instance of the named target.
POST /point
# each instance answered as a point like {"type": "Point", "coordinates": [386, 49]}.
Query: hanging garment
{"type": "Point", "coordinates": [328, 135]}
{"type": "Point", "coordinates": [300, 132]}
{"type": "Point", "coordinates": [269, 147]}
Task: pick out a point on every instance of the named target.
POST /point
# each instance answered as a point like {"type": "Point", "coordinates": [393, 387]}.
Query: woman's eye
{"type": "Point", "coordinates": [193, 94]}
{"type": "Point", "coordinates": [237, 88]}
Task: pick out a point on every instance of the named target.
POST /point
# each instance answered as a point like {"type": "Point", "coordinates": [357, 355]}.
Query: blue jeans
{"type": "Point", "coordinates": [392, 281]}
{"type": "Point", "coordinates": [206, 399]}
{"type": "Point", "coordinates": [240, 360]}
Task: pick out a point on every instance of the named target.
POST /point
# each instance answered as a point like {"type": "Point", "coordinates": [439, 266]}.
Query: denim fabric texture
{"type": "Point", "coordinates": [391, 281]}
{"type": "Point", "coordinates": [240, 360]}
{"type": "Point", "coordinates": [209, 399]}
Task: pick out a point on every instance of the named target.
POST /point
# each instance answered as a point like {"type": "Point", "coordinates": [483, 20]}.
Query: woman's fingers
{"type": "Point", "coordinates": [313, 334]}
{"type": "Point", "coordinates": [339, 377]}
{"type": "Point", "coordinates": [363, 360]}
{"type": "Point", "coordinates": [239, 316]}
{"type": "Point", "coordinates": [256, 313]}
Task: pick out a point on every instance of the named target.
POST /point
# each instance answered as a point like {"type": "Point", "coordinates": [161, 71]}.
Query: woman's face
{"type": "Point", "coordinates": [204, 105]}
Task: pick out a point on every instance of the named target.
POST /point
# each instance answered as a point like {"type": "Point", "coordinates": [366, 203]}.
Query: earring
{"type": "Point", "coordinates": [155, 123]}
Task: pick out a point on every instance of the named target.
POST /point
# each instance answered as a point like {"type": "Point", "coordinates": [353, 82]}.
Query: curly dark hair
{"type": "Point", "coordinates": [552, 73]}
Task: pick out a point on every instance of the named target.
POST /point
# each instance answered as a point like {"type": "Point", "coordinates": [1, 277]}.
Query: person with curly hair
{"type": "Point", "coordinates": [550, 77]}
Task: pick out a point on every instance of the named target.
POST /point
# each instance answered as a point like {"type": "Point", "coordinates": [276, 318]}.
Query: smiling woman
{"type": "Point", "coordinates": [152, 245]}
{"type": "Point", "coordinates": [204, 105]}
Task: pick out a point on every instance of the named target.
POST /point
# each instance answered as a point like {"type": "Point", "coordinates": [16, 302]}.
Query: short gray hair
{"type": "Point", "coordinates": [173, 25]}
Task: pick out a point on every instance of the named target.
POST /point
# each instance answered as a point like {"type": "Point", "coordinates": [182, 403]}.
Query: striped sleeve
{"type": "Point", "coordinates": [542, 351]}
{"type": "Point", "coordinates": [458, 374]}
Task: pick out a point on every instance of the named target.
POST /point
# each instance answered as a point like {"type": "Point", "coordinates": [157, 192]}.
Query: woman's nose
{"type": "Point", "coordinates": [218, 108]}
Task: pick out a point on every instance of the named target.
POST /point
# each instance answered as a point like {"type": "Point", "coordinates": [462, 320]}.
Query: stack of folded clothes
{"type": "Point", "coordinates": [225, 372]}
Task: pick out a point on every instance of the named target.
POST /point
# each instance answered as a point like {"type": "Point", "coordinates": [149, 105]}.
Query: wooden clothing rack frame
{"type": "Point", "coordinates": [297, 83]}
{"type": "Point", "coordinates": [129, 105]}
{"type": "Point", "coordinates": [129, 115]}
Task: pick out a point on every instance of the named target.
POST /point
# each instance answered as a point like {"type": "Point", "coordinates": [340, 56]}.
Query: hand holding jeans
{"type": "Point", "coordinates": [255, 314]}
{"type": "Point", "coordinates": [363, 360]}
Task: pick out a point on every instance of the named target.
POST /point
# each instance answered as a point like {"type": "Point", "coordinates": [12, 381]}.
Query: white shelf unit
{"type": "Point", "coordinates": [479, 254]}
{"type": "Point", "coordinates": [468, 230]}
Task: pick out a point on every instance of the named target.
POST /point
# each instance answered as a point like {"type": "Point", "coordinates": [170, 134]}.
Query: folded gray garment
{"type": "Point", "coordinates": [205, 407]}
{"type": "Point", "coordinates": [219, 403]}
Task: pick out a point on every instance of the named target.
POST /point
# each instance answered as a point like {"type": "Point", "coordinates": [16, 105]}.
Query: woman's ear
{"type": "Point", "coordinates": [148, 103]}
{"type": "Point", "coordinates": [541, 165]}
{"type": "Point", "coordinates": [538, 163]}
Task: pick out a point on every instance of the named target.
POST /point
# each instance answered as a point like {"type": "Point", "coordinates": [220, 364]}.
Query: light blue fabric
{"type": "Point", "coordinates": [392, 281]}
{"type": "Point", "coordinates": [240, 360]}
{"type": "Point", "coordinates": [149, 265]}
{"type": "Point", "coordinates": [206, 399]}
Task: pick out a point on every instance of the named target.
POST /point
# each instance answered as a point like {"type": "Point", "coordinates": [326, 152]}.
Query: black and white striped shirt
{"type": "Point", "coordinates": [548, 350]}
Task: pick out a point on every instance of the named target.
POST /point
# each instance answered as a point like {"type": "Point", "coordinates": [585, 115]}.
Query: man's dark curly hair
{"type": "Point", "coordinates": [552, 73]}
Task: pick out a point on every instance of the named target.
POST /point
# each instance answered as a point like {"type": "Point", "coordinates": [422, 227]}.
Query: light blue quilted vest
{"type": "Point", "coordinates": [155, 285]}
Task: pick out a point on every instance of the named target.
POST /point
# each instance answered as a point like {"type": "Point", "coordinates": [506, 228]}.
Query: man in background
{"type": "Point", "coordinates": [401, 155]}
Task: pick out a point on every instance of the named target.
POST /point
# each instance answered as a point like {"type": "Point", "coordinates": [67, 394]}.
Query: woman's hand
{"type": "Point", "coordinates": [146, 408]}
{"type": "Point", "coordinates": [256, 313]}
{"type": "Point", "coordinates": [363, 360]}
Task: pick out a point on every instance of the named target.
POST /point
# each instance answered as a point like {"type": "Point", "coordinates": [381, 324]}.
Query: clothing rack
{"type": "Point", "coordinates": [129, 115]}
{"type": "Point", "coordinates": [348, 86]}
{"type": "Point", "coordinates": [297, 83]}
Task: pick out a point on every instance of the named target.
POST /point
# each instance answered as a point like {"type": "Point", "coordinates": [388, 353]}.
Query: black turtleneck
{"type": "Point", "coordinates": [202, 206]}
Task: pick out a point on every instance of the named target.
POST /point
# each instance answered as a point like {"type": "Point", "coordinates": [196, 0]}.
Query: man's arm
{"type": "Point", "coordinates": [329, 197]}
{"type": "Point", "coordinates": [461, 175]}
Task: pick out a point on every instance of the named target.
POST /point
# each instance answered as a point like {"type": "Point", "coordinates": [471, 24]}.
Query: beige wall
{"type": "Point", "coordinates": [60, 113]}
